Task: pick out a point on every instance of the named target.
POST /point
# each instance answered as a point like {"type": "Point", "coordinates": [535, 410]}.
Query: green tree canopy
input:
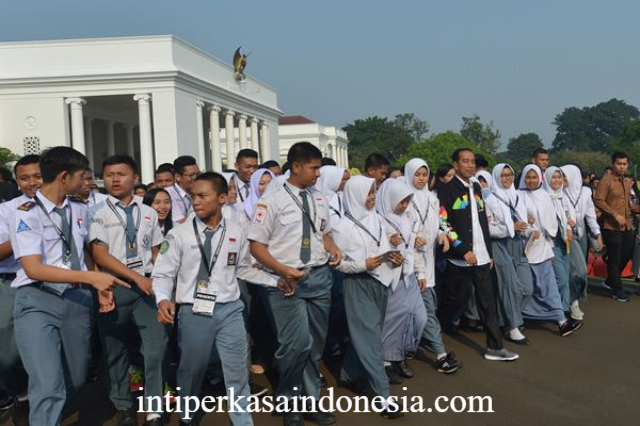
{"type": "Point", "coordinates": [7, 157]}
{"type": "Point", "coordinates": [411, 124]}
{"type": "Point", "coordinates": [376, 134]}
{"type": "Point", "coordinates": [483, 135]}
{"type": "Point", "coordinates": [587, 161]}
{"type": "Point", "coordinates": [520, 148]}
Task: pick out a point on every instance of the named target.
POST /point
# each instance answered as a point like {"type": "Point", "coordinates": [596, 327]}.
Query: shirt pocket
{"type": "Point", "coordinates": [291, 219]}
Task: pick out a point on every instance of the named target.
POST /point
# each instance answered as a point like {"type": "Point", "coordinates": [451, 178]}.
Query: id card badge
{"type": "Point", "coordinates": [205, 299]}
{"type": "Point", "coordinates": [136, 264]}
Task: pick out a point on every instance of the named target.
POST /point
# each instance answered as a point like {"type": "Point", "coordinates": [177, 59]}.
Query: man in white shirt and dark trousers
{"type": "Point", "coordinates": [290, 236]}
{"type": "Point", "coordinates": [463, 215]}
{"type": "Point", "coordinates": [185, 171]}
{"type": "Point", "coordinates": [246, 165]}
{"type": "Point", "coordinates": [125, 239]}
{"type": "Point", "coordinates": [201, 259]}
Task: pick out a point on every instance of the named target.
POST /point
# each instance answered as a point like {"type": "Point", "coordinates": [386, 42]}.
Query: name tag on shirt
{"type": "Point", "coordinates": [232, 259]}
{"type": "Point", "coordinates": [204, 301]}
{"type": "Point", "coordinates": [136, 264]}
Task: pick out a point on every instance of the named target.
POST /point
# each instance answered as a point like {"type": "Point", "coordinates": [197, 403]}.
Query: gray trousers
{"type": "Point", "coordinates": [302, 322]}
{"type": "Point", "coordinates": [432, 333]}
{"type": "Point", "coordinates": [223, 337]}
{"type": "Point", "coordinates": [13, 378]}
{"type": "Point", "coordinates": [53, 334]}
{"type": "Point", "coordinates": [365, 303]}
{"type": "Point", "coordinates": [134, 311]}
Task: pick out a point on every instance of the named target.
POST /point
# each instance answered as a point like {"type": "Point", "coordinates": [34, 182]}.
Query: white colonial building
{"type": "Point", "coordinates": [332, 141]}
{"type": "Point", "coordinates": [154, 98]}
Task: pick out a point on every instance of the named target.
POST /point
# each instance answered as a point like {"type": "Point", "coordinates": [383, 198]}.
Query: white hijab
{"type": "Point", "coordinates": [254, 194]}
{"type": "Point", "coordinates": [232, 211]}
{"type": "Point", "coordinates": [328, 183]}
{"type": "Point", "coordinates": [574, 187]}
{"type": "Point", "coordinates": [424, 203]}
{"type": "Point", "coordinates": [539, 200]}
{"type": "Point", "coordinates": [557, 198]}
{"type": "Point", "coordinates": [503, 199]}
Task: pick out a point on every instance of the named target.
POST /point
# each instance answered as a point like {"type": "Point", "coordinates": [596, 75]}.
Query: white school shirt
{"type": "Point", "coordinates": [411, 263]}
{"type": "Point", "coordinates": [585, 212]}
{"type": "Point", "coordinates": [429, 231]}
{"type": "Point", "coordinates": [540, 249]}
{"type": "Point", "coordinates": [9, 265]}
{"type": "Point", "coordinates": [95, 198]}
{"type": "Point", "coordinates": [106, 228]}
{"type": "Point", "coordinates": [34, 233]}
{"type": "Point", "coordinates": [180, 203]}
{"type": "Point", "coordinates": [277, 223]}
{"type": "Point", "coordinates": [242, 187]}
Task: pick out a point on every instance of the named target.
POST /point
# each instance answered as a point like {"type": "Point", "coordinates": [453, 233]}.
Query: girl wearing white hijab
{"type": "Point", "coordinates": [553, 183]}
{"type": "Point", "coordinates": [424, 209]}
{"type": "Point", "coordinates": [233, 210]}
{"type": "Point", "coordinates": [260, 179]}
{"type": "Point", "coordinates": [367, 276]}
{"type": "Point", "coordinates": [508, 228]}
{"type": "Point", "coordinates": [406, 315]}
{"type": "Point", "coordinates": [331, 183]}
{"type": "Point", "coordinates": [545, 303]}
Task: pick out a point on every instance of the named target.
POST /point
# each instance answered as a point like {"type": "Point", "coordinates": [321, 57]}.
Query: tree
{"type": "Point", "coordinates": [376, 134]}
{"type": "Point", "coordinates": [438, 148]}
{"type": "Point", "coordinates": [587, 161]}
{"type": "Point", "coordinates": [7, 157]}
{"type": "Point", "coordinates": [483, 135]}
{"type": "Point", "coordinates": [411, 124]}
{"type": "Point", "coordinates": [520, 148]}
{"type": "Point", "coordinates": [593, 128]}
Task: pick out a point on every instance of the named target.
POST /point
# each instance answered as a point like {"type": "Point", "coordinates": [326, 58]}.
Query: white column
{"type": "Point", "coordinates": [88, 140]}
{"type": "Point", "coordinates": [346, 156]}
{"type": "Point", "coordinates": [343, 155]}
{"type": "Point", "coordinates": [131, 151]}
{"type": "Point", "coordinates": [264, 142]}
{"type": "Point", "coordinates": [200, 129]}
{"type": "Point", "coordinates": [214, 127]}
{"type": "Point", "coordinates": [332, 151]}
{"type": "Point", "coordinates": [146, 140]}
{"type": "Point", "coordinates": [111, 139]}
{"type": "Point", "coordinates": [242, 130]}
{"type": "Point", "coordinates": [255, 143]}
{"type": "Point", "coordinates": [77, 125]}
{"type": "Point", "coordinates": [230, 138]}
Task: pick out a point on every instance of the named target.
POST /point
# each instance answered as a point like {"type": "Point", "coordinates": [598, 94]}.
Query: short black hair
{"type": "Point", "coordinates": [395, 169]}
{"type": "Point", "coordinates": [375, 160]}
{"type": "Point", "coordinates": [481, 161]}
{"type": "Point", "coordinates": [443, 170]}
{"type": "Point", "coordinates": [140, 186]}
{"type": "Point", "coordinates": [6, 174]}
{"type": "Point", "coordinates": [183, 161]}
{"type": "Point", "coordinates": [216, 180]}
{"type": "Point", "coordinates": [286, 167]}
{"type": "Point", "coordinates": [539, 151]}
{"type": "Point", "coordinates": [120, 159]}
{"type": "Point", "coordinates": [25, 161]}
{"type": "Point", "coordinates": [456, 154]}
{"type": "Point", "coordinates": [618, 155]}
{"type": "Point", "coordinates": [326, 161]}
{"type": "Point", "coordinates": [61, 159]}
{"type": "Point", "coordinates": [246, 153]}
{"type": "Point", "coordinates": [269, 164]}
{"type": "Point", "coordinates": [303, 152]}
{"type": "Point", "coordinates": [165, 168]}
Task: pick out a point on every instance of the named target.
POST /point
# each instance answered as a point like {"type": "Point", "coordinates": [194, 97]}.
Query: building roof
{"type": "Point", "coordinates": [287, 120]}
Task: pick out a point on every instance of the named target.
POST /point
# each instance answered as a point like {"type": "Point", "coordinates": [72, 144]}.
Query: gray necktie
{"type": "Point", "coordinates": [203, 274]}
{"type": "Point", "coordinates": [305, 248]}
{"type": "Point", "coordinates": [132, 243]}
{"type": "Point", "coordinates": [70, 258]}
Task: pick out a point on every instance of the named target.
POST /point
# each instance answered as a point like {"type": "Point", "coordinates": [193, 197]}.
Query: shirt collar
{"type": "Point", "coordinates": [203, 226]}
{"type": "Point", "coordinates": [48, 205]}
{"type": "Point", "coordinates": [181, 192]}
{"type": "Point", "coordinates": [136, 200]}
{"type": "Point", "coordinates": [466, 185]}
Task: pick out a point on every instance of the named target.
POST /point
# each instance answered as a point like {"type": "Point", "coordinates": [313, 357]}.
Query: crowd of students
{"type": "Point", "coordinates": [268, 269]}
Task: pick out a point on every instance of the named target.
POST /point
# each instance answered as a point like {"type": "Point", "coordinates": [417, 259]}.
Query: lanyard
{"type": "Point", "coordinates": [339, 208]}
{"type": "Point", "coordinates": [312, 221]}
{"type": "Point", "coordinates": [406, 244]}
{"type": "Point", "coordinates": [514, 213]}
{"type": "Point", "coordinates": [186, 208]}
{"type": "Point", "coordinates": [67, 243]}
{"type": "Point", "coordinates": [426, 215]}
{"type": "Point", "coordinates": [209, 265]}
{"type": "Point", "coordinates": [361, 226]}
{"type": "Point", "coordinates": [124, 224]}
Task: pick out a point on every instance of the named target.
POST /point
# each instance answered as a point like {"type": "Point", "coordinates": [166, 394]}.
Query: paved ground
{"type": "Point", "coordinates": [590, 378]}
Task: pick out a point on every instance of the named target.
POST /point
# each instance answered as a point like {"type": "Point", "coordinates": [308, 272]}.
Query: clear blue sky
{"type": "Point", "coordinates": [515, 62]}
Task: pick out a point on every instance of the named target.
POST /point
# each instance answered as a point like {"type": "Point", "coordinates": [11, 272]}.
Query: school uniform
{"type": "Point", "coordinates": [180, 203]}
{"type": "Point", "coordinates": [360, 236]}
{"type": "Point", "coordinates": [13, 378]}
{"type": "Point", "coordinates": [95, 198]}
{"type": "Point", "coordinates": [295, 239]}
{"type": "Point", "coordinates": [130, 232]}
{"type": "Point", "coordinates": [207, 330]}
{"type": "Point", "coordinates": [52, 321]}
{"type": "Point", "coordinates": [406, 314]}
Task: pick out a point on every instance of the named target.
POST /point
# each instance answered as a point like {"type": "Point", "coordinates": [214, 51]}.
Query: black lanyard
{"type": "Point", "coordinates": [339, 208]}
{"type": "Point", "coordinates": [426, 215]}
{"type": "Point", "coordinates": [299, 203]}
{"type": "Point", "coordinates": [406, 244]}
{"type": "Point", "coordinates": [186, 208]}
{"type": "Point", "coordinates": [67, 243]}
{"type": "Point", "coordinates": [209, 265]}
{"type": "Point", "coordinates": [124, 224]}
{"type": "Point", "coordinates": [514, 212]}
{"type": "Point", "coordinates": [361, 226]}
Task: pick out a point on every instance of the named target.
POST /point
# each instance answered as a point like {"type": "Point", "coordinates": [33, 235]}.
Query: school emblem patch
{"type": "Point", "coordinates": [27, 206]}
{"type": "Point", "coordinates": [164, 247]}
{"type": "Point", "coordinates": [260, 215]}
{"type": "Point", "coordinates": [22, 227]}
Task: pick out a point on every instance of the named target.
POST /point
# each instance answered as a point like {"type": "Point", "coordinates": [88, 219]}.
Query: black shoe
{"type": "Point", "coordinates": [320, 418]}
{"type": "Point", "coordinates": [448, 364]}
{"type": "Point", "coordinates": [358, 387]}
{"type": "Point", "coordinates": [20, 414]}
{"type": "Point", "coordinates": [127, 417]}
{"type": "Point", "coordinates": [388, 414]}
{"type": "Point", "coordinates": [409, 355]}
{"type": "Point", "coordinates": [6, 405]}
{"type": "Point", "coordinates": [323, 382]}
{"type": "Point", "coordinates": [569, 327]}
{"type": "Point", "coordinates": [155, 422]}
{"type": "Point", "coordinates": [394, 379]}
{"type": "Point", "coordinates": [403, 369]}
{"type": "Point", "coordinates": [620, 295]}
{"type": "Point", "coordinates": [293, 419]}
{"type": "Point", "coordinates": [257, 390]}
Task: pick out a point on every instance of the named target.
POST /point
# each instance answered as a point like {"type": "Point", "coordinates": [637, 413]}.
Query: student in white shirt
{"type": "Point", "coordinates": [258, 183]}
{"type": "Point", "coordinates": [186, 169]}
{"type": "Point", "coordinates": [331, 183]}
{"type": "Point", "coordinates": [86, 193]}
{"type": "Point", "coordinates": [246, 165]}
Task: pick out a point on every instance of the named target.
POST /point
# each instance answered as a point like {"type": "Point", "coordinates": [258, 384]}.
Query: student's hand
{"type": "Point", "coordinates": [291, 274]}
{"type": "Point", "coordinates": [599, 243]}
{"type": "Point", "coordinates": [572, 223]}
{"type": "Point", "coordinates": [396, 240]}
{"type": "Point", "coordinates": [532, 220]}
{"type": "Point", "coordinates": [536, 235]}
{"type": "Point", "coordinates": [373, 262]}
{"type": "Point", "coordinates": [420, 242]}
{"type": "Point", "coordinates": [144, 284]}
{"type": "Point", "coordinates": [444, 242]}
{"type": "Point", "coordinates": [166, 312]}
{"type": "Point", "coordinates": [104, 282]}
{"type": "Point", "coordinates": [287, 287]}
{"type": "Point", "coordinates": [621, 220]}
{"type": "Point", "coordinates": [335, 256]}
{"type": "Point", "coordinates": [520, 226]}
{"type": "Point", "coordinates": [396, 259]}
{"type": "Point", "coordinates": [470, 258]}
{"type": "Point", "coordinates": [422, 284]}
{"type": "Point", "coordinates": [106, 302]}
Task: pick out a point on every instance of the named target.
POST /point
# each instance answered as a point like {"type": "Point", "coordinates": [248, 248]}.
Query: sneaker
{"type": "Point", "coordinates": [576, 313]}
{"type": "Point", "coordinates": [569, 327]}
{"type": "Point", "coordinates": [394, 378]}
{"type": "Point", "coordinates": [136, 379]}
{"type": "Point", "coordinates": [257, 390]}
{"type": "Point", "coordinates": [403, 369]}
{"type": "Point", "coordinates": [388, 414]}
{"type": "Point", "coordinates": [620, 295]}
{"type": "Point", "coordinates": [127, 417]}
{"type": "Point", "coordinates": [500, 355]}
{"type": "Point", "coordinates": [7, 403]}
{"type": "Point", "coordinates": [323, 382]}
{"type": "Point", "coordinates": [410, 355]}
{"type": "Point", "coordinates": [448, 364]}
{"type": "Point", "coordinates": [605, 285]}
{"type": "Point", "coordinates": [319, 418]}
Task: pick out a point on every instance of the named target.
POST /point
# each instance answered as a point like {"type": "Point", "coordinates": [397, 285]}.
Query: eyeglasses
{"type": "Point", "coordinates": [509, 176]}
